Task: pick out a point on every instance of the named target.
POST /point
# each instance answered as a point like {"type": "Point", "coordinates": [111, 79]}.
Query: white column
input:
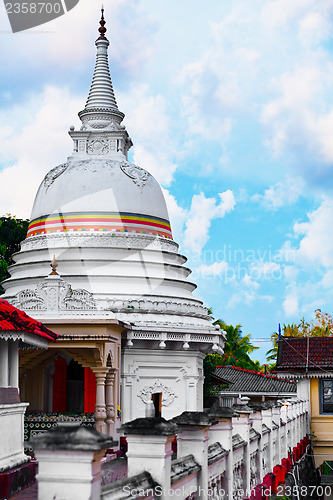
{"type": "Point", "coordinates": [109, 402]}
{"type": "Point", "coordinates": [241, 425]}
{"type": "Point", "coordinates": [13, 356]}
{"type": "Point", "coordinates": [276, 418]}
{"type": "Point", "coordinates": [100, 410]}
{"type": "Point", "coordinates": [256, 420]}
{"type": "Point", "coordinates": [267, 420]}
{"type": "Point", "coordinates": [69, 463]}
{"type": "Point", "coordinates": [192, 439]}
{"type": "Point", "coordinates": [222, 433]}
{"type": "Point", "coordinates": [3, 363]}
{"type": "Point", "coordinates": [152, 454]}
{"type": "Point", "coordinates": [150, 449]}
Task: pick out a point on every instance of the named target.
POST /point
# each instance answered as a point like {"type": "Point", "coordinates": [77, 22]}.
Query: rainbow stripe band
{"type": "Point", "coordinates": [100, 221]}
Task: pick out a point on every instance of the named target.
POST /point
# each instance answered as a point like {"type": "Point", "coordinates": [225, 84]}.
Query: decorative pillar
{"type": "Point", "coordinates": [267, 420]}
{"type": "Point", "coordinates": [284, 423]}
{"type": "Point", "coordinates": [109, 402]}
{"type": "Point", "coordinates": [13, 358]}
{"type": "Point", "coordinates": [69, 462]}
{"type": "Point", "coordinates": [193, 440]}
{"type": "Point", "coordinates": [3, 363]}
{"type": "Point", "coordinates": [256, 420]}
{"type": "Point", "coordinates": [242, 425]}
{"type": "Point", "coordinates": [222, 433]}
{"type": "Point", "coordinates": [290, 424]}
{"type": "Point", "coordinates": [149, 449]}
{"type": "Point", "coordinates": [276, 415]}
{"type": "Point", "coordinates": [100, 409]}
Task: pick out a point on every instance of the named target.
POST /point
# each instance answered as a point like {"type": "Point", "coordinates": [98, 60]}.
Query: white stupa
{"type": "Point", "coordinates": [106, 221]}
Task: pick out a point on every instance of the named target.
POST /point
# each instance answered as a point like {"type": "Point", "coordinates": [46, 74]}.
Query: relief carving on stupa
{"type": "Point", "coordinates": [54, 174]}
{"type": "Point", "coordinates": [98, 146]}
{"type": "Point", "coordinates": [55, 295]}
{"type": "Point", "coordinates": [137, 174]}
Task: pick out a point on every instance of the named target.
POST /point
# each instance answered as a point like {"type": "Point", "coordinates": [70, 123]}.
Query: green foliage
{"type": "Point", "coordinates": [237, 347]}
{"type": "Point", "coordinates": [271, 354]}
{"type": "Point", "coordinates": [321, 326]}
{"type": "Point", "coordinates": [12, 232]}
{"type": "Point", "coordinates": [236, 353]}
{"type": "Point", "coordinates": [211, 361]}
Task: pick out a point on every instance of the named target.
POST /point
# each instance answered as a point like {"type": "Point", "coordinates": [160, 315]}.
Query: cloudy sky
{"type": "Point", "coordinates": [230, 107]}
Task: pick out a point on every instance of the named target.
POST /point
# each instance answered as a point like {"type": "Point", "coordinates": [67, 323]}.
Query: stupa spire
{"type": "Point", "coordinates": [102, 131]}
{"type": "Point", "coordinates": [101, 94]}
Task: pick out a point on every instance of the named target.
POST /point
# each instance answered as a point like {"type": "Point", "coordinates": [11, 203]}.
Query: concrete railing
{"type": "Point", "coordinates": [243, 451]}
{"type": "Point", "coordinates": [237, 452]}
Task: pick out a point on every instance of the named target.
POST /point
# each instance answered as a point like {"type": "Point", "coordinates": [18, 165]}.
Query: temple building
{"type": "Point", "coordinates": [119, 293]}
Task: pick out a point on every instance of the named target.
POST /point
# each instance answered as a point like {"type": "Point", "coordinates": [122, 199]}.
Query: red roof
{"type": "Point", "coordinates": [299, 353]}
{"type": "Point", "coordinates": [12, 319]}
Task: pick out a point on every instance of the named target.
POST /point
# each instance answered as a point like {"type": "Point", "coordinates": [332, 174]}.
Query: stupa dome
{"type": "Point", "coordinates": [99, 194]}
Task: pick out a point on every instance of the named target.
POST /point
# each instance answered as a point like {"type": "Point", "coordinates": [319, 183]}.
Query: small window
{"type": "Point", "coordinates": [326, 396]}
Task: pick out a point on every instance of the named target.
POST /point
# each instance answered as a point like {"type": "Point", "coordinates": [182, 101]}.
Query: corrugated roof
{"type": "Point", "coordinates": [299, 353]}
{"type": "Point", "coordinates": [247, 381]}
{"type": "Point", "coordinates": [12, 319]}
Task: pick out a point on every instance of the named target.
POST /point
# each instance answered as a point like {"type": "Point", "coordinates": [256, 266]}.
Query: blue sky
{"type": "Point", "coordinates": [230, 107]}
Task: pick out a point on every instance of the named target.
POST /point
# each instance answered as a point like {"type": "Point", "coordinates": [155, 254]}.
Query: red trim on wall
{"type": "Point", "coordinates": [89, 391]}
{"type": "Point", "coordinates": [59, 385]}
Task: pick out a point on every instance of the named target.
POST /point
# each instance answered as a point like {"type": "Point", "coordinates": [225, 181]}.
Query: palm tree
{"type": "Point", "coordinates": [271, 354]}
{"type": "Point", "coordinates": [237, 347]}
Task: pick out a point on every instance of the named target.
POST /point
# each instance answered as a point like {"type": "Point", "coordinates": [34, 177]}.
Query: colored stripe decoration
{"type": "Point", "coordinates": [116, 222]}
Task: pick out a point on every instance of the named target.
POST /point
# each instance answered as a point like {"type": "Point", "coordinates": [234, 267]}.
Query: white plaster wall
{"type": "Point", "coordinates": [12, 435]}
{"type": "Point", "coordinates": [179, 371]}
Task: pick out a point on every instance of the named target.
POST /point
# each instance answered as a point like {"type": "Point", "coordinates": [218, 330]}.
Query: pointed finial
{"type": "Point", "coordinates": [54, 266]}
{"type": "Point", "coordinates": [102, 29]}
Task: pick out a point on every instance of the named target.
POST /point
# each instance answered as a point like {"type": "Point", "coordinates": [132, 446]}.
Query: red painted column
{"type": "Point", "coordinates": [89, 391]}
{"type": "Point", "coordinates": [59, 385]}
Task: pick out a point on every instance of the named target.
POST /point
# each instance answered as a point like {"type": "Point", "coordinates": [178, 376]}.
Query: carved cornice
{"type": "Point", "coordinates": [87, 240]}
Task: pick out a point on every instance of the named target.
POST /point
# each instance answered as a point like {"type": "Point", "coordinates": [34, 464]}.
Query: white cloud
{"type": "Point", "coordinates": [177, 215]}
{"type": "Point", "coordinates": [71, 38]}
{"type": "Point", "coordinates": [203, 210]}
{"type": "Point", "coordinates": [308, 268]}
{"type": "Point", "coordinates": [282, 193]}
{"type": "Point", "coordinates": [290, 304]}
{"type": "Point", "coordinates": [265, 270]}
{"type": "Point", "coordinates": [191, 226]}
{"type": "Point", "coordinates": [148, 123]}
{"type": "Point", "coordinates": [291, 273]}
{"type": "Point", "coordinates": [217, 269]}
{"type": "Point", "coordinates": [316, 245]}
{"type": "Point", "coordinates": [287, 253]}
{"type": "Point", "coordinates": [39, 143]}
{"type": "Point", "coordinates": [281, 13]}
{"type": "Point", "coordinates": [299, 121]}
{"type": "Point", "coordinates": [249, 282]}
{"type": "Point", "coordinates": [247, 297]}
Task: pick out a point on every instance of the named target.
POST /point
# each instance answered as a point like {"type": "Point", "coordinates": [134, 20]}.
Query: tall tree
{"type": "Point", "coordinates": [271, 354]}
{"type": "Point", "coordinates": [237, 347]}
{"type": "Point", "coordinates": [236, 353]}
{"type": "Point", "coordinates": [12, 232]}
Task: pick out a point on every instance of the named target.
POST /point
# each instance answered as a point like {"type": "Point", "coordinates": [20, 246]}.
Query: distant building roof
{"type": "Point", "coordinates": [248, 381]}
{"type": "Point", "coordinates": [14, 320]}
{"type": "Point", "coordinates": [301, 353]}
